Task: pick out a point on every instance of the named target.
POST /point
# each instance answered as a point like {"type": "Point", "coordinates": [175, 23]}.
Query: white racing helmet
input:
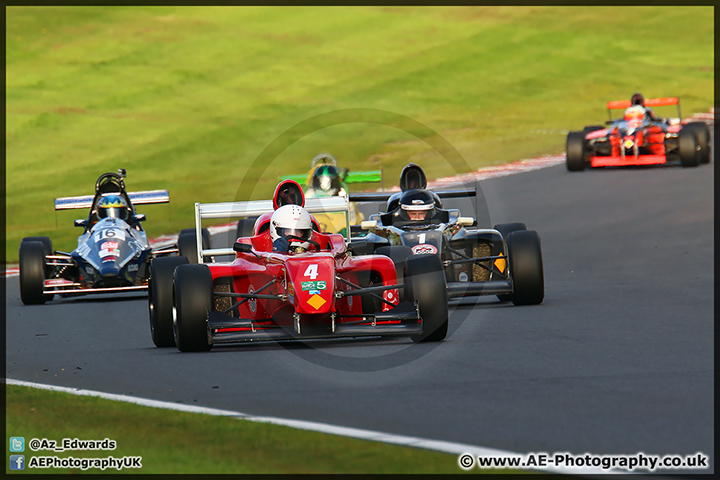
{"type": "Point", "coordinates": [293, 223]}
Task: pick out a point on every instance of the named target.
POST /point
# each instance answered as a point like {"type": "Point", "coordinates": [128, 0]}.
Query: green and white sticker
{"type": "Point", "coordinates": [319, 285]}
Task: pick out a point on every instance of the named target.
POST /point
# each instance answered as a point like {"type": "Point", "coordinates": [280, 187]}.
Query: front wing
{"type": "Point", "coordinates": [627, 160]}
{"type": "Point", "coordinates": [64, 286]}
{"type": "Point", "coordinates": [403, 320]}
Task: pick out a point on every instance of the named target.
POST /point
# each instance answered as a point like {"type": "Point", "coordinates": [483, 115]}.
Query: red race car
{"type": "Point", "coordinates": [320, 291]}
{"type": "Point", "coordinates": [639, 138]}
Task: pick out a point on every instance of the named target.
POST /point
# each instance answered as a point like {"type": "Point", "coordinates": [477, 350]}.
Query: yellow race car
{"type": "Point", "coordinates": [325, 179]}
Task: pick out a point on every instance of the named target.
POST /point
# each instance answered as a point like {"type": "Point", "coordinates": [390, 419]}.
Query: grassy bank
{"type": "Point", "coordinates": [186, 98]}
{"type": "Point", "coordinates": [179, 442]}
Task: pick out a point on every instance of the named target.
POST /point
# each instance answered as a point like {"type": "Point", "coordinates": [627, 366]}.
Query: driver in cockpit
{"type": "Point", "coordinates": [290, 229]}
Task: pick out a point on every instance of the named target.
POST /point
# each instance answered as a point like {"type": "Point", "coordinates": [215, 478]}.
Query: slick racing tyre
{"type": "Point", "coordinates": [425, 283]}
{"type": "Point", "coordinates": [688, 148]}
{"type": "Point", "coordinates": [32, 273]}
{"type": "Point", "coordinates": [702, 137]}
{"type": "Point", "coordinates": [187, 244]}
{"type": "Point", "coordinates": [575, 152]}
{"type": "Point", "coordinates": [371, 304]}
{"type": "Point", "coordinates": [160, 299]}
{"type": "Point", "coordinates": [592, 128]}
{"type": "Point", "coordinates": [506, 229]}
{"type": "Point", "coordinates": [47, 243]}
{"type": "Point", "coordinates": [398, 254]}
{"type": "Point", "coordinates": [48, 251]}
{"type": "Point", "coordinates": [526, 267]}
{"type": "Point", "coordinates": [244, 227]}
{"type": "Point", "coordinates": [192, 299]}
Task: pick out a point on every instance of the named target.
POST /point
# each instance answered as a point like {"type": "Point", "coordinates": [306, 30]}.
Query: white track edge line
{"type": "Point", "coordinates": [371, 435]}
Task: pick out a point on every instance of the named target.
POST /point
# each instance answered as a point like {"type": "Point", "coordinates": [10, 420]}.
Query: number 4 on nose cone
{"type": "Point", "coordinates": [311, 271]}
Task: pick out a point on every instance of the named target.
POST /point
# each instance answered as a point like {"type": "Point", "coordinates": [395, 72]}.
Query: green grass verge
{"type": "Point", "coordinates": [186, 98]}
{"type": "Point", "coordinates": [179, 442]}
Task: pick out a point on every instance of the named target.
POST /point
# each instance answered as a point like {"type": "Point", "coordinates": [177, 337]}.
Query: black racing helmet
{"type": "Point", "coordinates": [412, 177]}
{"type": "Point", "coordinates": [288, 192]}
{"type": "Point", "coordinates": [637, 99]}
{"type": "Point", "coordinates": [417, 205]}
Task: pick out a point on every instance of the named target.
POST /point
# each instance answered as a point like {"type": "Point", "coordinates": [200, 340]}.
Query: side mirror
{"type": "Point", "coordinates": [81, 222]}
{"type": "Point", "coordinates": [465, 221]}
{"type": "Point", "coordinates": [368, 224]}
{"type": "Point", "coordinates": [139, 217]}
{"type": "Point", "coordinates": [242, 247]}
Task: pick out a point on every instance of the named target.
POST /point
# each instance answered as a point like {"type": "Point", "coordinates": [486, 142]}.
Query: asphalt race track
{"type": "Point", "coordinates": [617, 360]}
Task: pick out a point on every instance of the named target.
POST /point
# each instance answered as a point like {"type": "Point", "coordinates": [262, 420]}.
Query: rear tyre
{"type": "Point", "coordinates": [592, 128]}
{"type": "Point", "coordinates": [370, 304]}
{"type": "Point", "coordinates": [160, 303]}
{"type": "Point", "coordinates": [44, 240]}
{"type": "Point", "coordinates": [245, 227]}
{"type": "Point", "coordinates": [506, 229]}
{"type": "Point", "coordinates": [688, 148]}
{"type": "Point", "coordinates": [575, 152]}
{"type": "Point", "coordinates": [192, 299]}
{"type": "Point", "coordinates": [702, 137]}
{"type": "Point", "coordinates": [32, 273]}
{"type": "Point", "coordinates": [425, 283]}
{"type": "Point", "coordinates": [187, 244]}
{"type": "Point", "coordinates": [398, 254]}
{"type": "Point", "coordinates": [526, 267]}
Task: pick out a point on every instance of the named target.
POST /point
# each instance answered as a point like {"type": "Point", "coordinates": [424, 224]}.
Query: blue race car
{"type": "Point", "coordinates": [112, 254]}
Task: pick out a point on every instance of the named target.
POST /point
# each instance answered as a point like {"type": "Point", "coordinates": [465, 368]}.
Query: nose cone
{"type": "Point", "coordinates": [108, 269]}
{"type": "Point", "coordinates": [110, 276]}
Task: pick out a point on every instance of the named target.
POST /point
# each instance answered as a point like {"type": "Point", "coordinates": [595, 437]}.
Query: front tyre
{"type": "Point", "coordinates": [575, 152]}
{"type": "Point", "coordinates": [160, 304]}
{"type": "Point", "coordinates": [192, 297]}
{"type": "Point", "coordinates": [399, 255]}
{"type": "Point", "coordinates": [32, 273]}
{"type": "Point", "coordinates": [526, 267]}
{"type": "Point", "coordinates": [425, 283]}
{"type": "Point", "coordinates": [506, 229]}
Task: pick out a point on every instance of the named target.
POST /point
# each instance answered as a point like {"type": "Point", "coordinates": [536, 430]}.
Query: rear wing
{"type": "Point", "coordinates": [137, 198]}
{"type": "Point", "coordinates": [650, 102]}
{"type": "Point", "coordinates": [383, 197]}
{"type": "Point", "coordinates": [256, 208]}
{"type": "Point", "coordinates": [364, 177]}
{"type": "Point", "coordinates": [369, 176]}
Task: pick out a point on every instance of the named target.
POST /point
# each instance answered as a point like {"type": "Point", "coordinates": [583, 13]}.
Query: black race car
{"type": "Point", "coordinates": [505, 260]}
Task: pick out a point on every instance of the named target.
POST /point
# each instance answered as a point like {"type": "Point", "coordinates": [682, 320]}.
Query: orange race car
{"type": "Point", "coordinates": [639, 138]}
